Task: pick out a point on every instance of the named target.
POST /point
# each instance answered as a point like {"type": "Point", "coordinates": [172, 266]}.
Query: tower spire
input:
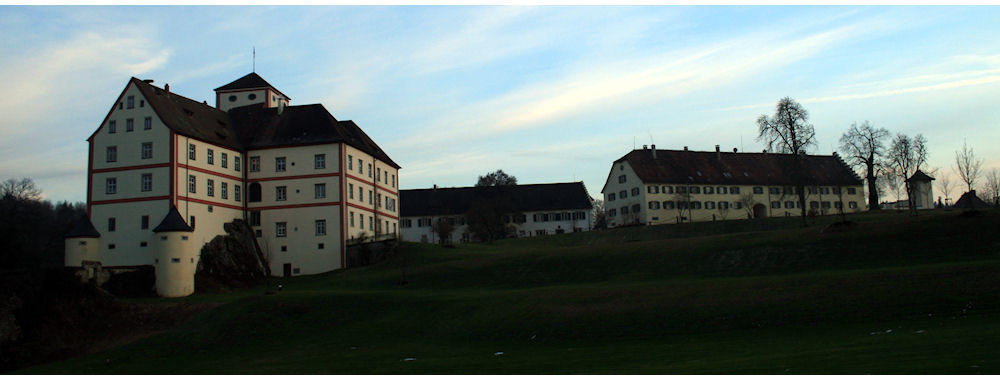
{"type": "Point", "coordinates": [253, 64]}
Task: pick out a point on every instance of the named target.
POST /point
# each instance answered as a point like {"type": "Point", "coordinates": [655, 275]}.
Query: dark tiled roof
{"type": "Point", "coordinates": [247, 82]}
{"type": "Point", "coordinates": [189, 117]}
{"type": "Point", "coordinates": [729, 168]}
{"type": "Point", "coordinates": [260, 127]}
{"type": "Point", "coordinates": [920, 176]}
{"type": "Point", "coordinates": [83, 228]}
{"type": "Point", "coordinates": [970, 200]}
{"type": "Point", "coordinates": [173, 222]}
{"type": "Point", "coordinates": [457, 200]}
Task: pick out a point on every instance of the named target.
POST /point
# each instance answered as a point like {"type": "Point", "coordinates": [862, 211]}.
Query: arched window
{"type": "Point", "coordinates": [254, 192]}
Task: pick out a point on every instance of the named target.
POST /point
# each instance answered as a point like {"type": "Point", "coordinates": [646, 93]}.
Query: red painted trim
{"type": "Point", "coordinates": [300, 205]}
{"type": "Point", "coordinates": [343, 210]}
{"type": "Point", "coordinates": [365, 181]}
{"type": "Point", "coordinates": [265, 179]}
{"type": "Point", "coordinates": [206, 171]}
{"type": "Point", "coordinates": [207, 202]}
{"type": "Point", "coordinates": [370, 210]}
{"type": "Point", "coordinates": [373, 183]}
{"type": "Point", "coordinates": [90, 175]}
{"type": "Point", "coordinates": [113, 107]}
{"type": "Point", "coordinates": [173, 168]}
{"type": "Point", "coordinates": [126, 200]}
{"type": "Point", "coordinates": [133, 167]}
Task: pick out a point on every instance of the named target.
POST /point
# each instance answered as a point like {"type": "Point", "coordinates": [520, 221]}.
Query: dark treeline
{"type": "Point", "coordinates": [32, 231]}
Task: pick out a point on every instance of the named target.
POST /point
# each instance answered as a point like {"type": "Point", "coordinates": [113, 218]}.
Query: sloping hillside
{"type": "Point", "coordinates": [888, 294]}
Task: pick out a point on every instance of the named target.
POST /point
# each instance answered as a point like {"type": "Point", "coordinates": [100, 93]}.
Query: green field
{"type": "Point", "coordinates": [894, 294]}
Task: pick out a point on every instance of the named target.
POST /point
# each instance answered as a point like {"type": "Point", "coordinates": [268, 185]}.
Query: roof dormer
{"type": "Point", "coordinates": [250, 89]}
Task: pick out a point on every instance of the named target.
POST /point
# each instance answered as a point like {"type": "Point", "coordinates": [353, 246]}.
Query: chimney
{"type": "Point", "coordinates": [281, 107]}
{"type": "Point", "coordinates": [685, 148]}
{"type": "Point", "coordinates": [644, 147]}
{"type": "Point", "coordinates": [716, 148]}
{"type": "Point", "coordinates": [765, 151]}
{"type": "Point", "coordinates": [435, 186]}
{"type": "Point", "coordinates": [734, 150]}
{"type": "Point", "coordinates": [653, 146]}
{"type": "Point", "coordinates": [166, 87]}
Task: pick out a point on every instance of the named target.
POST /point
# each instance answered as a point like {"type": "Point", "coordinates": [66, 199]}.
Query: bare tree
{"type": "Point", "coordinates": [748, 201]}
{"type": "Point", "coordinates": [944, 185]}
{"type": "Point", "coordinates": [723, 208]}
{"type": "Point", "coordinates": [682, 201]}
{"type": "Point", "coordinates": [864, 146]}
{"type": "Point", "coordinates": [443, 228]}
{"type": "Point", "coordinates": [967, 166]}
{"type": "Point", "coordinates": [905, 157]}
{"type": "Point", "coordinates": [789, 131]}
{"type": "Point", "coordinates": [21, 190]}
{"type": "Point", "coordinates": [993, 186]}
{"type": "Point", "coordinates": [600, 214]}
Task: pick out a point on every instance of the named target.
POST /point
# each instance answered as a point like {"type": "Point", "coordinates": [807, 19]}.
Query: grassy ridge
{"type": "Point", "coordinates": [751, 298]}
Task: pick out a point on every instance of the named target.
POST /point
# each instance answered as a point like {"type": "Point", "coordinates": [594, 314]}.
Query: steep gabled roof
{"type": "Point", "coordinates": [970, 200]}
{"type": "Point", "coordinates": [730, 168]}
{"type": "Point", "coordinates": [458, 200]}
{"type": "Point", "coordinates": [189, 117]}
{"type": "Point", "coordinates": [173, 222]}
{"type": "Point", "coordinates": [919, 176]}
{"type": "Point", "coordinates": [260, 127]}
{"type": "Point", "coordinates": [248, 82]}
{"type": "Point", "coordinates": [83, 228]}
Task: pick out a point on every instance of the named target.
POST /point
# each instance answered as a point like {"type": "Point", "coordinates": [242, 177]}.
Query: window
{"type": "Point", "coordinates": [838, 205]}
{"type": "Point", "coordinates": [667, 190]}
{"type": "Point", "coordinates": [112, 154]}
{"type": "Point", "coordinates": [622, 194]}
{"type": "Point", "coordinates": [321, 227]}
{"type": "Point", "coordinates": [737, 205]}
{"type": "Point", "coordinates": [225, 190]}
{"type": "Point", "coordinates": [129, 125]}
{"type": "Point", "coordinates": [319, 161]}
{"type": "Point", "coordinates": [612, 212]}
{"type": "Point", "coordinates": [734, 190]}
{"type": "Point", "coordinates": [621, 178]}
{"type": "Point", "coordinates": [224, 161]}
{"type": "Point", "coordinates": [147, 150]}
{"type": "Point", "coordinates": [192, 184]}
{"type": "Point", "coordinates": [369, 197]}
{"type": "Point", "coordinates": [775, 204]}
{"type": "Point", "coordinates": [710, 205]}
{"type": "Point", "coordinates": [654, 205]}
{"type": "Point", "coordinates": [112, 224]}
{"type": "Point", "coordinates": [236, 163]}
{"type": "Point", "coordinates": [350, 190]}
{"type": "Point", "coordinates": [279, 164]}
{"type": "Point", "coordinates": [254, 218]}
{"type": "Point", "coordinates": [320, 190]}
{"type": "Point", "coordinates": [836, 190]}
{"type": "Point", "coordinates": [130, 102]}
{"type": "Point", "coordinates": [361, 169]}
{"type": "Point", "coordinates": [361, 194]}
{"type": "Point", "coordinates": [852, 204]}
{"type": "Point", "coordinates": [252, 96]}
{"type": "Point", "coordinates": [611, 197]}
{"type": "Point", "coordinates": [378, 174]}
{"type": "Point", "coordinates": [668, 205]}
{"type": "Point", "coordinates": [709, 190]}
{"type": "Point", "coordinates": [232, 98]}
{"type": "Point", "coordinates": [695, 190]}
{"type": "Point", "coordinates": [112, 127]}
{"type": "Point", "coordinates": [147, 123]}
{"type": "Point", "coordinates": [635, 209]}
{"type": "Point", "coordinates": [682, 189]}
{"type": "Point", "coordinates": [369, 170]}
{"type": "Point", "coordinates": [352, 219]}
{"type": "Point", "coordinates": [371, 224]}
{"type": "Point", "coordinates": [280, 193]}
{"type": "Point", "coordinates": [789, 204]}
{"type": "Point", "coordinates": [350, 162]}
{"type": "Point", "coordinates": [281, 229]}
{"type": "Point", "coordinates": [758, 190]}
{"type": "Point", "coordinates": [852, 191]}
{"type": "Point", "coordinates": [652, 189]}
{"type": "Point", "coordinates": [393, 180]}
{"type": "Point", "coordinates": [210, 157]}
{"type": "Point", "coordinates": [147, 182]}
{"type": "Point", "coordinates": [191, 152]}
{"type": "Point", "coordinates": [814, 204]}
{"type": "Point", "coordinates": [723, 205]}
{"type": "Point", "coordinates": [236, 193]}
{"type": "Point", "coordinates": [254, 164]}
{"type": "Point", "coordinates": [142, 103]}
{"type": "Point", "coordinates": [824, 204]}
{"type": "Point", "coordinates": [695, 205]}
{"type": "Point", "coordinates": [635, 191]}
{"type": "Point", "coordinates": [111, 185]}
{"type": "Point", "coordinates": [824, 190]}
{"type": "Point", "coordinates": [720, 190]}
{"type": "Point", "coordinates": [774, 190]}
{"type": "Point", "coordinates": [144, 222]}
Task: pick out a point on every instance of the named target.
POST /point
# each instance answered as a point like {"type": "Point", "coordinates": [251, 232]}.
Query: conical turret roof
{"type": "Point", "coordinates": [173, 222]}
{"type": "Point", "coordinates": [83, 228]}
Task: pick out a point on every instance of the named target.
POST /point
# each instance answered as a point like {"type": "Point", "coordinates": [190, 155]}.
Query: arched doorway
{"type": "Point", "coordinates": [759, 211]}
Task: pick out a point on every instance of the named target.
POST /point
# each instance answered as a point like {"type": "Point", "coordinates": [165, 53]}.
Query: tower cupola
{"type": "Point", "coordinates": [250, 89]}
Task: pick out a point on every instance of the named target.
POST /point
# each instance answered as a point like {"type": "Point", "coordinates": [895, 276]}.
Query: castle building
{"type": "Point", "coordinates": [651, 186]}
{"type": "Point", "coordinates": [165, 172]}
{"type": "Point", "coordinates": [539, 209]}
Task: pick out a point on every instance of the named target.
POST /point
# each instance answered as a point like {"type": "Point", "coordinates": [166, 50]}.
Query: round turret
{"type": "Point", "coordinates": [82, 245]}
{"type": "Point", "coordinates": [175, 256]}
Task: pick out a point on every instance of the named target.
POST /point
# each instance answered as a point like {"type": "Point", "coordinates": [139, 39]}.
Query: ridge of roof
{"type": "Point", "coordinates": [919, 176]}
{"type": "Point", "coordinates": [189, 117]}
{"type": "Point", "coordinates": [458, 200]}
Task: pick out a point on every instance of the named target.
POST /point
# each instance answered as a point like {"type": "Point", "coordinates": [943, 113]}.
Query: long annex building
{"type": "Point", "coordinates": [162, 164]}
{"type": "Point", "coordinates": [651, 186]}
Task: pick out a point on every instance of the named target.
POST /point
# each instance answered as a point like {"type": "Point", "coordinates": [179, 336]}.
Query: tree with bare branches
{"type": "Point", "coordinates": [23, 189]}
{"type": "Point", "coordinates": [993, 186]}
{"type": "Point", "coordinates": [789, 131]}
{"type": "Point", "coordinates": [945, 186]}
{"type": "Point", "coordinates": [905, 157]}
{"type": "Point", "coordinates": [748, 201]}
{"type": "Point", "coordinates": [864, 146]}
{"type": "Point", "coordinates": [967, 166]}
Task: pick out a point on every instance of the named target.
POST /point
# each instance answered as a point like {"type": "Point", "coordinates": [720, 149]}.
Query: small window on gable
{"type": "Point", "coordinates": [232, 98]}
{"type": "Point", "coordinates": [252, 96]}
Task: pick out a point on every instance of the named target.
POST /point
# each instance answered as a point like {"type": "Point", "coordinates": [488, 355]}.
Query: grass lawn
{"type": "Point", "coordinates": [893, 295]}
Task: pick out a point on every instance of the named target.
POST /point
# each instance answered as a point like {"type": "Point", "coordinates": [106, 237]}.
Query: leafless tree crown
{"type": "Point", "coordinates": [788, 130]}
{"type": "Point", "coordinates": [967, 166]}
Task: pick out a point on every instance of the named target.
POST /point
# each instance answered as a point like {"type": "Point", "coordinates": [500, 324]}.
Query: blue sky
{"type": "Point", "coordinates": [548, 94]}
